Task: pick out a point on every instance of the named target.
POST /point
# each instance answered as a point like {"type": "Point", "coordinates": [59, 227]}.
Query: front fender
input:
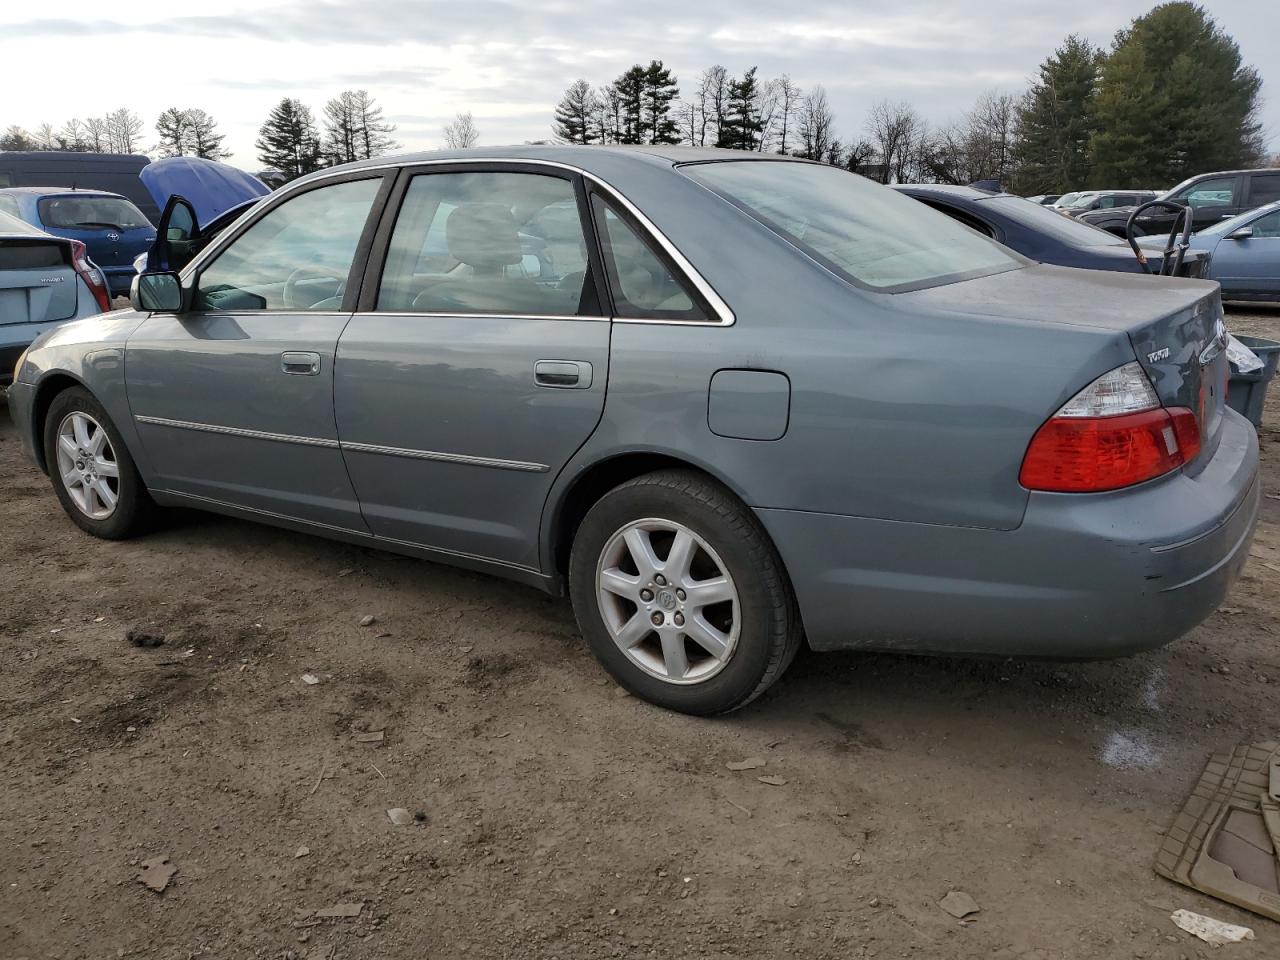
{"type": "Point", "coordinates": [89, 353]}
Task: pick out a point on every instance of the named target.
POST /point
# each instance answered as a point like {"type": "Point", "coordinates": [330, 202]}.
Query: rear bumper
{"type": "Point", "coordinates": [1083, 576]}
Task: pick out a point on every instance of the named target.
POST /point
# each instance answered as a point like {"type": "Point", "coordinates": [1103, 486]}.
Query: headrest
{"type": "Point", "coordinates": [483, 235]}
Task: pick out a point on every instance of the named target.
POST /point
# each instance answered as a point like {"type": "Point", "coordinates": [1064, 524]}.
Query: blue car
{"type": "Point", "coordinates": [1038, 231]}
{"type": "Point", "coordinates": [1244, 252]}
{"type": "Point", "coordinates": [112, 229]}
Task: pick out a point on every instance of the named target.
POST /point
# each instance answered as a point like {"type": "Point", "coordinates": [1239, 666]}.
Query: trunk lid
{"type": "Point", "coordinates": [1174, 325]}
{"type": "Point", "coordinates": [37, 281]}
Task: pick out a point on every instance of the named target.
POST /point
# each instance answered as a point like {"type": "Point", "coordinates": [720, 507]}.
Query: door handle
{"type": "Point", "coordinates": [565, 374]}
{"type": "Point", "coordinates": [300, 363]}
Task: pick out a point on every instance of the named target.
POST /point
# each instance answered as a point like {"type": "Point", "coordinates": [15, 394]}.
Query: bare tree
{"type": "Point", "coordinates": [992, 128]}
{"type": "Point", "coordinates": [124, 130]}
{"type": "Point", "coordinates": [897, 132]}
{"type": "Point", "coordinates": [768, 109]}
{"type": "Point", "coordinates": [45, 137]}
{"type": "Point", "coordinates": [461, 133]}
{"type": "Point", "coordinates": [73, 136]}
{"type": "Point", "coordinates": [816, 123]}
{"type": "Point", "coordinates": [788, 97]}
{"type": "Point", "coordinates": [712, 102]}
{"type": "Point", "coordinates": [97, 135]}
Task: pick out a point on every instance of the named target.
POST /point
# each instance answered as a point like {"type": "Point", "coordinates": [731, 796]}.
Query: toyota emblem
{"type": "Point", "coordinates": [113, 236]}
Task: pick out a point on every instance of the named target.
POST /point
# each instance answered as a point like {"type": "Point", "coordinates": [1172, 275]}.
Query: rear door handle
{"type": "Point", "coordinates": [565, 374]}
{"type": "Point", "coordinates": [300, 363]}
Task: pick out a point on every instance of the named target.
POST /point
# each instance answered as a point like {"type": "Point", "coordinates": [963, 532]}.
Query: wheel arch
{"type": "Point", "coordinates": [48, 388]}
{"type": "Point", "coordinates": [570, 503]}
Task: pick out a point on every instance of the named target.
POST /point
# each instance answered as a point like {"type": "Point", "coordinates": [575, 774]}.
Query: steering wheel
{"type": "Point", "coordinates": [1170, 265]}
{"type": "Point", "coordinates": [308, 273]}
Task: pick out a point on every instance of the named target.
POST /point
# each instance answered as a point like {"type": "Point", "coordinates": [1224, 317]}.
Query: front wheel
{"type": "Point", "coordinates": [92, 473]}
{"type": "Point", "coordinates": [681, 595]}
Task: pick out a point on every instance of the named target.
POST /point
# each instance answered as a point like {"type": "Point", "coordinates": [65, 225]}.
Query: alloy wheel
{"type": "Point", "coordinates": [668, 601]}
{"type": "Point", "coordinates": [87, 465]}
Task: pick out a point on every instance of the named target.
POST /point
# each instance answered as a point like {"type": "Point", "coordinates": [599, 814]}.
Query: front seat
{"type": "Point", "coordinates": [484, 237]}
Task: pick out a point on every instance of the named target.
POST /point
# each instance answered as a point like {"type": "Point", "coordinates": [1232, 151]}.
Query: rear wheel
{"type": "Point", "coordinates": [681, 595]}
{"type": "Point", "coordinates": [92, 473]}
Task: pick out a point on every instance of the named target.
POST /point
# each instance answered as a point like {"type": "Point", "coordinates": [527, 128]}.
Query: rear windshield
{"type": "Point", "coordinates": [862, 231]}
{"type": "Point", "coordinates": [70, 212]}
{"type": "Point", "coordinates": [31, 254]}
{"type": "Point", "coordinates": [1046, 220]}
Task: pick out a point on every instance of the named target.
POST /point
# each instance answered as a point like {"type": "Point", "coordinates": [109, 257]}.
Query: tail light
{"type": "Point", "coordinates": [1112, 434]}
{"type": "Point", "coordinates": [91, 275]}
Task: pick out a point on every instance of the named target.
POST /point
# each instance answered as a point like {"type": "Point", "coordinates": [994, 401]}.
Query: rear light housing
{"type": "Point", "coordinates": [91, 275]}
{"type": "Point", "coordinates": [1112, 434]}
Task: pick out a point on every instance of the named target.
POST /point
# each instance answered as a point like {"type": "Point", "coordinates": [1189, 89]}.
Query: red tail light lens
{"type": "Point", "coordinates": [92, 275]}
{"type": "Point", "coordinates": [1091, 454]}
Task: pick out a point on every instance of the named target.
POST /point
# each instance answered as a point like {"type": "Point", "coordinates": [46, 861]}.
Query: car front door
{"type": "Point", "coordinates": [233, 396]}
{"type": "Point", "coordinates": [1250, 265]}
{"type": "Point", "coordinates": [477, 363]}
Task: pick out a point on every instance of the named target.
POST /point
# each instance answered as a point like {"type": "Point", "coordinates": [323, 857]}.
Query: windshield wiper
{"type": "Point", "coordinates": [98, 223]}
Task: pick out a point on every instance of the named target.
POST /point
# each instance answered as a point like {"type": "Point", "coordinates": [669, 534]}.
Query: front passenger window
{"type": "Point", "coordinates": [296, 257]}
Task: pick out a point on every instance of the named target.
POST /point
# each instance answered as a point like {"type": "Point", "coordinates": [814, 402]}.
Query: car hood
{"type": "Point", "coordinates": [211, 187]}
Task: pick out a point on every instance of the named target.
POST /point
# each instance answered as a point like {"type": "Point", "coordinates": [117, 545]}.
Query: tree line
{"type": "Point", "coordinates": [1171, 98]}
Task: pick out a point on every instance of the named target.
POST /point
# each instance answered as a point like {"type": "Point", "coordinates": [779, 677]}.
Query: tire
{"type": "Point", "coordinates": [85, 496]}
{"type": "Point", "coordinates": [726, 652]}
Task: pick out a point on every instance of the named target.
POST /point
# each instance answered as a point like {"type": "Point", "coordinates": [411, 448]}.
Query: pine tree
{"type": "Point", "coordinates": [288, 141]}
{"type": "Point", "coordinates": [742, 125]}
{"type": "Point", "coordinates": [1057, 117]}
{"type": "Point", "coordinates": [171, 126]}
{"type": "Point", "coordinates": [629, 89]}
{"type": "Point", "coordinates": [576, 114]}
{"type": "Point", "coordinates": [203, 138]}
{"type": "Point", "coordinates": [1174, 100]}
{"type": "Point", "coordinates": [15, 138]}
{"type": "Point", "coordinates": [658, 91]}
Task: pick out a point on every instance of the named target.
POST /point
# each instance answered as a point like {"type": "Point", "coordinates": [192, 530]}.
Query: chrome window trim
{"type": "Point", "coordinates": [717, 304]}
{"type": "Point", "coordinates": [481, 316]}
{"type": "Point", "coordinates": [375, 448]}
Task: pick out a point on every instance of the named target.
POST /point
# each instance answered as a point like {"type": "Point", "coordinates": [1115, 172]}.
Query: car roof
{"type": "Point", "coordinates": [594, 159]}
{"type": "Point", "coordinates": [57, 191]}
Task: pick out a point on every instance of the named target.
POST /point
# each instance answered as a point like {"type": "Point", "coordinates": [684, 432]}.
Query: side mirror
{"type": "Point", "coordinates": [1244, 233]}
{"type": "Point", "coordinates": [156, 293]}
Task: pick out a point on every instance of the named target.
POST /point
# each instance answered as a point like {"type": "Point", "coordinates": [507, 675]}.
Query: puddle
{"type": "Point", "coordinates": [1129, 750]}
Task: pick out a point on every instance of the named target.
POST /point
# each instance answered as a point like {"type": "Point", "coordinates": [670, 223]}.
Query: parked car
{"type": "Point", "coordinates": [1038, 232]}
{"type": "Point", "coordinates": [109, 225]}
{"type": "Point", "coordinates": [1211, 196]}
{"type": "Point", "coordinates": [1244, 252]}
{"type": "Point", "coordinates": [1107, 199]}
{"type": "Point", "coordinates": [105, 172]}
{"type": "Point", "coordinates": [1045, 199]}
{"type": "Point", "coordinates": [759, 400]}
{"type": "Point", "coordinates": [44, 280]}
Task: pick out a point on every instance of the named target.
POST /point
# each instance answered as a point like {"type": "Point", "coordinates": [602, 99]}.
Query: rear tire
{"type": "Point", "coordinates": [677, 550]}
{"type": "Point", "coordinates": [93, 475]}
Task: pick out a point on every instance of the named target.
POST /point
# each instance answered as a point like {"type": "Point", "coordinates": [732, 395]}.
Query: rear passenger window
{"type": "Point", "coordinates": [10, 206]}
{"type": "Point", "coordinates": [504, 244]}
{"type": "Point", "coordinates": [1264, 188]}
{"type": "Point", "coordinates": [643, 286]}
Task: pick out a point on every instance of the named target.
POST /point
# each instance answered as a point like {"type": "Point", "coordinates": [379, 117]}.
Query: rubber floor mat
{"type": "Point", "coordinates": [1225, 840]}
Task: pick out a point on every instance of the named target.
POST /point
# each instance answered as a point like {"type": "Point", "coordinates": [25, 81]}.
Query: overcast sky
{"type": "Point", "coordinates": [508, 61]}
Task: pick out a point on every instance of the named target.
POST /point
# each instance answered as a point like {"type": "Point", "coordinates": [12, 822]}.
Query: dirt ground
{"type": "Point", "coordinates": [556, 817]}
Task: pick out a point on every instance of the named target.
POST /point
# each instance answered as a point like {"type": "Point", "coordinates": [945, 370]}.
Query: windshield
{"type": "Point", "coordinates": [1080, 200]}
{"type": "Point", "coordinates": [864, 232]}
{"type": "Point", "coordinates": [71, 212]}
{"type": "Point", "coordinates": [1224, 227]}
{"type": "Point", "coordinates": [1067, 199]}
{"type": "Point", "coordinates": [1044, 220]}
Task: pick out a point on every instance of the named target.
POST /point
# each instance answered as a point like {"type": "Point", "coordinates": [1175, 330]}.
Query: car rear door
{"type": "Point", "coordinates": [476, 364]}
{"type": "Point", "coordinates": [234, 397]}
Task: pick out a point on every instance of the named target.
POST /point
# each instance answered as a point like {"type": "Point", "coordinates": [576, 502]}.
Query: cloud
{"type": "Point", "coordinates": [507, 61]}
